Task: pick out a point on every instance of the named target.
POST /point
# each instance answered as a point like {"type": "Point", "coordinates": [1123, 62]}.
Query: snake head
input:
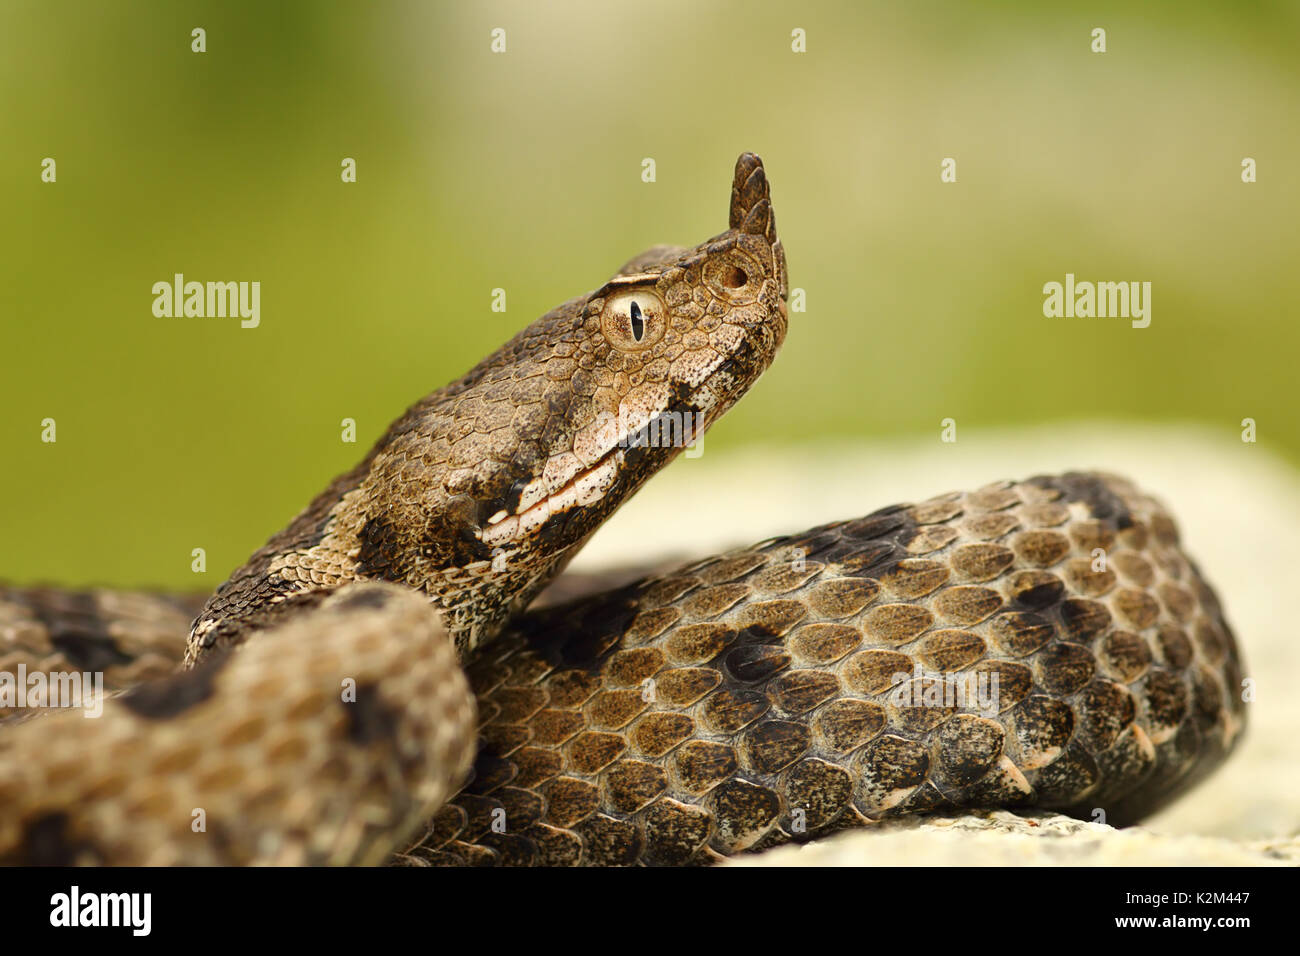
{"type": "Point", "coordinates": [639, 368]}
{"type": "Point", "coordinates": [606, 389]}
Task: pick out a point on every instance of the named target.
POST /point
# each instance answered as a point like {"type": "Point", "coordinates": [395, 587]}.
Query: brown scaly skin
{"type": "Point", "coordinates": [537, 414]}
{"type": "Point", "coordinates": [127, 636]}
{"type": "Point", "coordinates": [318, 743]}
{"type": "Point", "coordinates": [754, 698]}
{"type": "Point", "coordinates": [674, 720]}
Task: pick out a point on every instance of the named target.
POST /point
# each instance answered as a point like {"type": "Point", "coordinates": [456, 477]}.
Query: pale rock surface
{"type": "Point", "coordinates": [1003, 838]}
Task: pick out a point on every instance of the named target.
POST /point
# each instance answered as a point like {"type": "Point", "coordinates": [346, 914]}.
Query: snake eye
{"type": "Point", "coordinates": [633, 320]}
{"type": "Point", "coordinates": [638, 322]}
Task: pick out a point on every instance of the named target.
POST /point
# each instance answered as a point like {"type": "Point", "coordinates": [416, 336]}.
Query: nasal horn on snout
{"type": "Point", "coordinates": [751, 200]}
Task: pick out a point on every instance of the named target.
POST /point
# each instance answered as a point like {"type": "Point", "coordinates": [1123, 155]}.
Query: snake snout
{"type": "Point", "coordinates": [752, 215]}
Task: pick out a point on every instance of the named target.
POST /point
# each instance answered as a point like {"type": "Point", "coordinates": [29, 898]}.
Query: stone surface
{"type": "Point", "coordinates": [1002, 838]}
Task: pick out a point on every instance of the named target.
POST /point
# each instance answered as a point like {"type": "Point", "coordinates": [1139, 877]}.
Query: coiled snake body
{"type": "Point", "coordinates": [1036, 643]}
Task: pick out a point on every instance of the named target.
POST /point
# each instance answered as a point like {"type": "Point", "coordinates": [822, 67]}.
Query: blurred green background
{"type": "Point", "coordinates": [522, 170]}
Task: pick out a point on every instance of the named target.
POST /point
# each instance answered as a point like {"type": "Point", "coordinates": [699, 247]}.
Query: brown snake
{"type": "Point", "coordinates": [1036, 643]}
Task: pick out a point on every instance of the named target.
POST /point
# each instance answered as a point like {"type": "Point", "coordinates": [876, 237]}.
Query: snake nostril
{"type": "Point", "coordinates": [734, 277]}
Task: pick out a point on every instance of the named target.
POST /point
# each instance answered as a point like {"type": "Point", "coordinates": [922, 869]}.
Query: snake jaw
{"type": "Point", "coordinates": [583, 490]}
{"type": "Point", "coordinates": [560, 491]}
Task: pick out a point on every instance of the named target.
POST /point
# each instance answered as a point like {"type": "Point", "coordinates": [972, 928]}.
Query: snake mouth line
{"type": "Point", "coordinates": [585, 488]}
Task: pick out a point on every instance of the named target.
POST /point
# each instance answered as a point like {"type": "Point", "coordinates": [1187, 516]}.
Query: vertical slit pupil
{"type": "Point", "coordinates": [638, 323]}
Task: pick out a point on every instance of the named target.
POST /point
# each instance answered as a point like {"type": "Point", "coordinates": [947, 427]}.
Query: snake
{"type": "Point", "coordinates": [379, 682]}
